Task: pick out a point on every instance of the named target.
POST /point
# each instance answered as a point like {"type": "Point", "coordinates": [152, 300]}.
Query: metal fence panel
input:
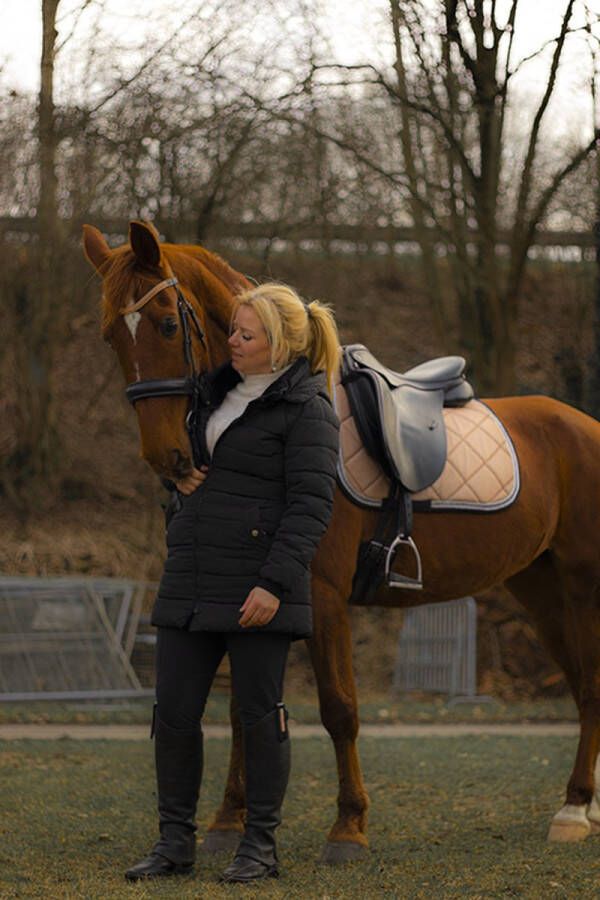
{"type": "Point", "coordinates": [68, 637]}
{"type": "Point", "coordinates": [437, 649]}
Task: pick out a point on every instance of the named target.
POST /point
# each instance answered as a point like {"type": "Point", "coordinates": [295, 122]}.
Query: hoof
{"type": "Point", "coordinates": [595, 827]}
{"type": "Point", "coordinates": [337, 852]}
{"type": "Point", "coordinates": [569, 826]}
{"type": "Point", "coordinates": [568, 832]}
{"type": "Point", "coordinates": [221, 841]}
{"type": "Point", "coordinates": [593, 815]}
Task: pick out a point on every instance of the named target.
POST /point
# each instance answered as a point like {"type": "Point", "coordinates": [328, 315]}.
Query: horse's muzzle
{"type": "Point", "coordinates": [179, 465]}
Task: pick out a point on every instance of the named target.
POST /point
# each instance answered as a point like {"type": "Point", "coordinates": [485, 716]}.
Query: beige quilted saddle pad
{"type": "Point", "coordinates": [481, 471]}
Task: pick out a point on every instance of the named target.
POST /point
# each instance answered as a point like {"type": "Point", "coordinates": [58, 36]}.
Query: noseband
{"type": "Point", "coordinates": [172, 387]}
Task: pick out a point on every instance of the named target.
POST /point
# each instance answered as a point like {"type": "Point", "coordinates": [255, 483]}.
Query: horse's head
{"type": "Point", "coordinates": [156, 327]}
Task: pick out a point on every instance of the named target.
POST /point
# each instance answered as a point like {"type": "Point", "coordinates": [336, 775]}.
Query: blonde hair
{"type": "Point", "coordinates": [295, 328]}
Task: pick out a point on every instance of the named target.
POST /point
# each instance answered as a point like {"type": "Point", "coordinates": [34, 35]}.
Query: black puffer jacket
{"type": "Point", "coordinates": [259, 515]}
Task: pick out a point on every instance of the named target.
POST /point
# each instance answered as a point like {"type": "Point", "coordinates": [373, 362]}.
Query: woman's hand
{"type": "Point", "coordinates": [192, 481]}
{"type": "Point", "coordinates": [259, 608]}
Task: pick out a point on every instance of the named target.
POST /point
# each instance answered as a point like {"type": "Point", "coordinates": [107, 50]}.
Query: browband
{"type": "Point", "coordinates": [168, 282]}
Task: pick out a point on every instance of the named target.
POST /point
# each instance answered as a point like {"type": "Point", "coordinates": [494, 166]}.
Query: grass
{"type": "Point", "coordinates": [374, 707]}
{"type": "Point", "coordinates": [450, 818]}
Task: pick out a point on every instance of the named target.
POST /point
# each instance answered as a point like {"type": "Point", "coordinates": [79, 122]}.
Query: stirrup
{"type": "Point", "coordinates": [392, 579]}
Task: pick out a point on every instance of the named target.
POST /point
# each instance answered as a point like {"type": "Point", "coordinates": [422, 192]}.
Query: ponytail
{"type": "Point", "coordinates": [324, 344]}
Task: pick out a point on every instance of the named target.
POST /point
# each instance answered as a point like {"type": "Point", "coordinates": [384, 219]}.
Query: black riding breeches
{"type": "Point", "coordinates": [186, 663]}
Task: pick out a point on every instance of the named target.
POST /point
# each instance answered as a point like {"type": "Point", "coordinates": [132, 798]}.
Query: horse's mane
{"type": "Point", "coordinates": [235, 281]}
{"type": "Point", "coordinates": [193, 265]}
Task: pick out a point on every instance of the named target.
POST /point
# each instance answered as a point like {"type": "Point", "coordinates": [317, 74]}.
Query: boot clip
{"type": "Point", "coordinates": [282, 718]}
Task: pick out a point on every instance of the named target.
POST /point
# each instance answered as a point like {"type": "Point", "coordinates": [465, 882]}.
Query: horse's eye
{"type": "Point", "coordinates": [168, 327]}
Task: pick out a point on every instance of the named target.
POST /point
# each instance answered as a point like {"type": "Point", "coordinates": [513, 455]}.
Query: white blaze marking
{"type": "Point", "coordinates": [132, 321]}
{"type": "Point", "coordinates": [138, 377]}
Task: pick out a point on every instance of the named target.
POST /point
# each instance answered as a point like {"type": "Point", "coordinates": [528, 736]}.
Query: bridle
{"type": "Point", "coordinates": [171, 387]}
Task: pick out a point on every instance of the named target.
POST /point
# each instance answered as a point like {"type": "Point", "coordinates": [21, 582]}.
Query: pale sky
{"type": "Point", "coordinates": [351, 25]}
{"type": "Point", "coordinates": [20, 36]}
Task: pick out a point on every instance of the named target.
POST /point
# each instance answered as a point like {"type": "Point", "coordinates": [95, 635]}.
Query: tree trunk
{"type": "Point", "coordinates": [424, 238]}
{"type": "Point", "coordinates": [37, 304]}
{"type": "Point", "coordinates": [593, 404]}
{"type": "Point", "coordinates": [43, 436]}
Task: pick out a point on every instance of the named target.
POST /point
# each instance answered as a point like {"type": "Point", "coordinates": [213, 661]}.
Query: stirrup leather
{"type": "Point", "coordinates": [376, 555]}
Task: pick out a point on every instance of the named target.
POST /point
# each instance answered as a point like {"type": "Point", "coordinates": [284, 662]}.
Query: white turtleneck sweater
{"type": "Point", "coordinates": [235, 402]}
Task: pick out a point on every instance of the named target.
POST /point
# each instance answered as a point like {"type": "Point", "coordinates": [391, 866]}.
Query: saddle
{"type": "Point", "coordinates": [400, 422]}
{"type": "Point", "coordinates": [399, 415]}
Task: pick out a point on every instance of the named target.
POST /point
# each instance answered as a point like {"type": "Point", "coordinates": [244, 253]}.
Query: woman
{"type": "Point", "coordinates": [237, 576]}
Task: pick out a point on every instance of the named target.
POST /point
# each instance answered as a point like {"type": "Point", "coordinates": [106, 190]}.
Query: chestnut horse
{"type": "Point", "coordinates": [544, 547]}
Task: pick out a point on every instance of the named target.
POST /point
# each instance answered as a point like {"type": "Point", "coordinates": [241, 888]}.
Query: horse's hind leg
{"type": "Point", "coordinates": [564, 611]}
{"type": "Point", "coordinates": [331, 653]}
{"type": "Point", "coordinates": [582, 630]}
{"type": "Point", "coordinates": [538, 589]}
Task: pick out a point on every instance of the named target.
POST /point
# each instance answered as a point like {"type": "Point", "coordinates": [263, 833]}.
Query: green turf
{"type": "Point", "coordinates": [374, 707]}
{"type": "Point", "coordinates": [450, 818]}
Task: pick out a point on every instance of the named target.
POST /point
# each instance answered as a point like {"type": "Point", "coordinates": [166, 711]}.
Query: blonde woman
{"type": "Point", "coordinates": [237, 576]}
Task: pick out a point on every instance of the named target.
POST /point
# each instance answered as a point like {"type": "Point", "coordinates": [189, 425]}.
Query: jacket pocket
{"type": "Point", "coordinates": [230, 539]}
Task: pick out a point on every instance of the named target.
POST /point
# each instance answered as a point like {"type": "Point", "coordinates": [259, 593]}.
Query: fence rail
{"type": "Point", "coordinates": [186, 230]}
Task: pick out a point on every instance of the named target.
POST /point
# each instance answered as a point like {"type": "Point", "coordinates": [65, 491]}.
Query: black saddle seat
{"type": "Point", "coordinates": [399, 415]}
{"type": "Point", "coordinates": [446, 373]}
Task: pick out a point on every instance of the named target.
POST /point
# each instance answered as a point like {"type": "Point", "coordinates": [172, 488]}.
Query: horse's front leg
{"type": "Point", "coordinates": [228, 825]}
{"type": "Point", "coordinates": [331, 653]}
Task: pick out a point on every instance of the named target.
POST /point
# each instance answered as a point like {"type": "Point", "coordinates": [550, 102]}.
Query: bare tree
{"type": "Point", "coordinates": [116, 141]}
{"type": "Point", "coordinates": [449, 92]}
{"type": "Point", "coordinates": [459, 97]}
{"type": "Point", "coordinates": [35, 302]}
{"type": "Point", "coordinates": [594, 381]}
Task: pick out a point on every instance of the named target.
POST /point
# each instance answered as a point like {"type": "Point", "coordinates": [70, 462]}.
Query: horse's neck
{"type": "Point", "coordinates": [216, 340]}
{"type": "Point", "coordinates": [216, 314]}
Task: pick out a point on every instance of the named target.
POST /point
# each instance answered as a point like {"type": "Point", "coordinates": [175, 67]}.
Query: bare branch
{"type": "Point", "coordinates": [127, 82]}
{"type": "Point", "coordinates": [77, 19]}
{"type": "Point", "coordinates": [510, 27]}
{"type": "Point", "coordinates": [557, 179]}
{"type": "Point", "coordinates": [396, 178]}
{"type": "Point", "coordinates": [543, 47]}
{"type": "Point", "coordinates": [523, 239]}
{"type": "Point", "coordinates": [454, 36]}
{"type": "Point", "coordinates": [526, 177]}
{"type": "Point", "coordinates": [433, 113]}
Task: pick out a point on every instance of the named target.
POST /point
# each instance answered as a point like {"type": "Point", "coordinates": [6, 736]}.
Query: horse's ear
{"type": "Point", "coordinates": [144, 241]}
{"type": "Point", "coordinates": [95, 248]}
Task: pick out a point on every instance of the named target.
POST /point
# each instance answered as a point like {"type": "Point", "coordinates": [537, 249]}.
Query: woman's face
{"type": "Point", "coordinates": [249, 345]}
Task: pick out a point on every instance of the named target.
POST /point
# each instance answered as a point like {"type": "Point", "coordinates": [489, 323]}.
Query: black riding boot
{"type": "Point", "coordinates": [267, 756]}
{"type": "Point", "coordinates": [178, 756]}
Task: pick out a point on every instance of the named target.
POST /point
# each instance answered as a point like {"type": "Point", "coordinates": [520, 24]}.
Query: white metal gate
{"type": "Point", "coordinates": [437, 649]}
{"type": "Point", "coordinates": [68, 638]}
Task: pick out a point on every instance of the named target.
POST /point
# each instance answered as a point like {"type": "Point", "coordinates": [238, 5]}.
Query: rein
{"type": "Point", "coordinates": [172, 387]}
